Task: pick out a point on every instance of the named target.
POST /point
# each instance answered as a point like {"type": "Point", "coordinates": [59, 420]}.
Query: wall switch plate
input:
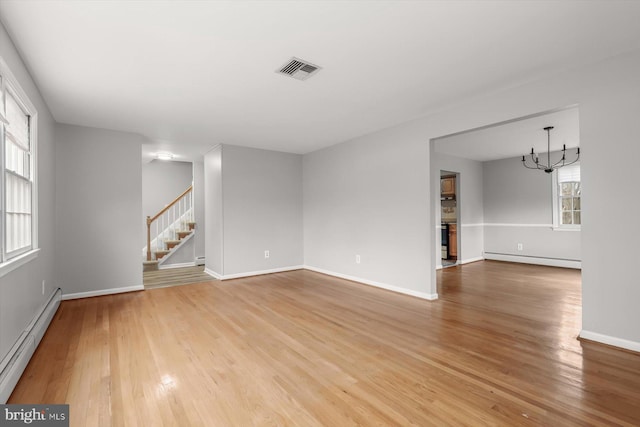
{"type": "Point", "coordinates": [519, 246]}
{"type": "Point", "coordinates": [357, 259]}
{"type": "Point", "coordinates": [43, 282]}
{"type": "Point", "coordinates": [266, 254]}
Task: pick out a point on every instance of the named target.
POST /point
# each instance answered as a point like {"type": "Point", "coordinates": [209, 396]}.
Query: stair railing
{"type": "Point", "coordinates": [169, 219]}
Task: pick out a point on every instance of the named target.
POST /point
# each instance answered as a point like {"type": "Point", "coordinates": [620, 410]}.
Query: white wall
{"type": "Point", "coordinates": [21, 296]}
{"type": "Point", "coordinates": [98, 210]}
{"type": "Point", "coordinates": [470, 206]}
{"type": "Point", "coordinates": [518, 209]}
{"type": "Point", "coordinates": [370, 195]}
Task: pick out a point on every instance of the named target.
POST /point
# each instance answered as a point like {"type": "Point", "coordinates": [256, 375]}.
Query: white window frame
{"type": "Point", "coordinates": [8, 82]}
{"type": "Point", "coordinates": [555, 188]}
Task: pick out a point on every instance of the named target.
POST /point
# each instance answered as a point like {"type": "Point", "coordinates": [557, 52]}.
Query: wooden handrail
{"type": "Point", "coordinates": [156, 216]}
{"type": "Point", "coordinates": [166, 208]}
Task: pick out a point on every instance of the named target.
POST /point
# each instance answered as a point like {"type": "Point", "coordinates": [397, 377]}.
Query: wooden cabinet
{"type": "Point", "coordinates": [453, 241]}
{"type": "Point", "coordinates": [448, 186]}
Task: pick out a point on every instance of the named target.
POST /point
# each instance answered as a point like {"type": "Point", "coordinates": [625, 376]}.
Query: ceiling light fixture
{"type": "Point", "coordinates": [164, 155]}
{"type": "Point", "coordinates": [549, 167]}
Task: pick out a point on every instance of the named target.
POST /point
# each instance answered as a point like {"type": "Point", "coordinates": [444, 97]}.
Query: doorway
{"type": "Point", "coordinates": [511, 213]}
{"type": "Point", "coordinates": [449, 222]}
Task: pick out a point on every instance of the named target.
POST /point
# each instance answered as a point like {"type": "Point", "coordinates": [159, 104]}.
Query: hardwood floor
{"type": "Point", "coordinates": [300, 348]}
{"type": "Point", "coordinates": [174, 277]}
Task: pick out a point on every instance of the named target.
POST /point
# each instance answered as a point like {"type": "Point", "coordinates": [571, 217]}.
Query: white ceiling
{"type": "Point", "coordinates": [192, 74]}
{"type": "Point", "coordinates": [516, 138]}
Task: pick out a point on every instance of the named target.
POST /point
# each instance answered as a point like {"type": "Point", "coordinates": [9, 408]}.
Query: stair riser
{"type": "Point", "coordinates": [150, 267]}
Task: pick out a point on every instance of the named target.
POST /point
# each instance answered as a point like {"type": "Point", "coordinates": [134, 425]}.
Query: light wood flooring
{"type": "Point", "coordinates": [304, 349]}
{"type": "Point", "coordinates": [174, 277]}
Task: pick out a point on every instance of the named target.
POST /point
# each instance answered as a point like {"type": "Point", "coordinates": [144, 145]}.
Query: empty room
{"type": "Point", "coordinates": [319, 213]}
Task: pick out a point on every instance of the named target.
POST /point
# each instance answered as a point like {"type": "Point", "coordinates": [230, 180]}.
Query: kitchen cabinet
{"type": "Point", "coordinates": [453, 241]}
{"type": "Point", "coordinates": [448, 186]}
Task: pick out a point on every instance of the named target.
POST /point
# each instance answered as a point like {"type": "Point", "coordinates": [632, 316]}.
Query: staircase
{"type": "Point", "coordinates": [168, 230]}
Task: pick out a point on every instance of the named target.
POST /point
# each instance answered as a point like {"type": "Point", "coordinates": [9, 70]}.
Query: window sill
{"type": "Point", "coordinates": [17, 262]}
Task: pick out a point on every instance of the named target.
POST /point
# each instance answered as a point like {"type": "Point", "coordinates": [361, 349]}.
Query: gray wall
{"type": "Point", "coordinates": [98, 209]}
{"type": "Point", "coordinates": [214, 237]}
{"type": "Point", "coordinates": [253, 203]}
{"type": "Point", "coordinates": [609, 111]}
{"type": "Point", "coordinates": [370, 197]}
{"type": "Point", "coordinates": [21, 296]}
{"type": "Point", "coordinates": [262, 209]}
{"type": "Point", "coordinates": [513, 194]}
{"type": "Point", "coordinates": [198, 201]}
{"type": "Point", "coordinates": [470, 205]}
{"type": "Point", "coordinates": [518, 209]}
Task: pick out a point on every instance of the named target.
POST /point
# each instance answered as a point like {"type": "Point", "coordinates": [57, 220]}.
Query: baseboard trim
{"type": "Point", "coordinates": [551, 262]}
{"type": "Point", "coordinates": [213, 273]}
{"type": "Point", "coordinates": [14, 364]}
{"type": "Point", "coordinates": [102, 292]}
{"type": "Point", "coordinates": [470, 260]}
{"type": "Point", "coordinates": [388, 287]}
{"type": "Point", "coordinates": [253, 273]}
{"type": "Point", "coordinates": [392, 288]}
{"type": "Point", "coordinates": [609, 340]}
{"type": "Point", "coordinates": [178, 265]}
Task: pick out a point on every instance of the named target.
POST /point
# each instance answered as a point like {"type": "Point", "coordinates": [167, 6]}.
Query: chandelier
{"type": "Point", "coordinates": [549, 167]}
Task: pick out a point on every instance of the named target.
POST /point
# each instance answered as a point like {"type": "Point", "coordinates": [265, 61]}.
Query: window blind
{"type": "Point", "coordinates": [17, 179]}
{"type": "Point", "coordinates": [569, 173]}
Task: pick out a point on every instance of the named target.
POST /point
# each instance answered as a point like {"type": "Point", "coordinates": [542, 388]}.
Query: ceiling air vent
{"type": "Point", "coordinates": [298, 69]}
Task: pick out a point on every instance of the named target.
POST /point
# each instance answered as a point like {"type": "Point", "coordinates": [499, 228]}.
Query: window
{"type": "Point", "coordinates": [567, 193]}
{"type": "Point", "coordinates": [17, 175]}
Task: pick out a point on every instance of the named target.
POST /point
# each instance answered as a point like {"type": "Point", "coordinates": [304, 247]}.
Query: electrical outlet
{"type": "Point", "coordinates": [43, 282]}
{"type": "Point", "coordinates": [266, 254]}
{"type": "Point", "coordinates": [357, 259]}
{"type": "Point", "coordinates": [519, 246]}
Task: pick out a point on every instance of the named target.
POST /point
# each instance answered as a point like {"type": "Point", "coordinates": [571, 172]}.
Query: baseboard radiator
{"type": "Point", "coordinates": [16, 360]}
